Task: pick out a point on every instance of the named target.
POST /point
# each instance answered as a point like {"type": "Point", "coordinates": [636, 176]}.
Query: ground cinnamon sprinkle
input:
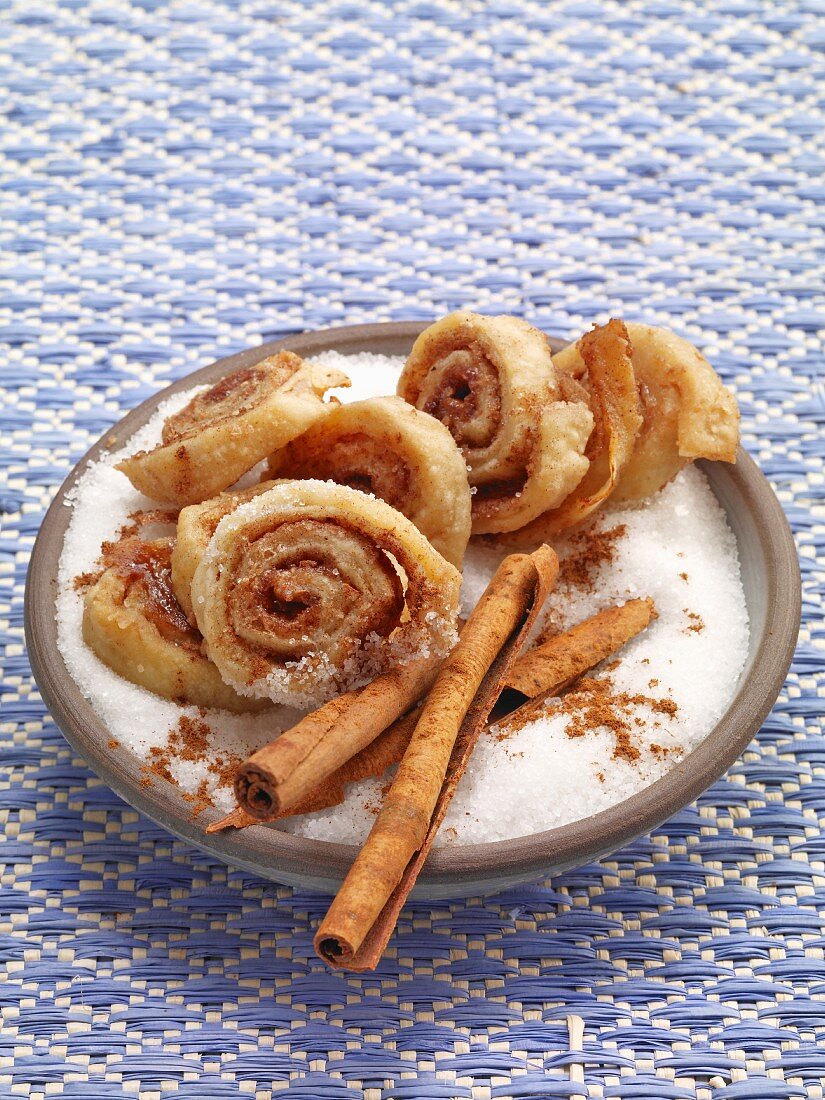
{"type": "Point", "coordinates": [587, 552]}
{"type": "Point", "coordinates": [86, 580]}
{"type": "Point", "coordinates": [697, 623]}
{"type": "Point", "coordinates": [126, 530]}
{"type": "Point", "coordinates": [138, 520]}
{"type": "Point", "coordinates": [159, 762]}
{"type": "Point", "coordinates": [201, 799]}
{"type": "Point", "coordinates": [595, 704]}
{"type": "Point", "coordinates": [590, 550]}
{"type": "Point", "coordinates": [224, 767]}
{"type": "Point", "coordinates": [189, 740]}
{"type": "Point", "coordinates": [660, 751]}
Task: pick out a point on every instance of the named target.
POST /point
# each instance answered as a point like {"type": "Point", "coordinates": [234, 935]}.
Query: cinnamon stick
{"type": "Point", "coordinates": [373, 760]}
{"type": "Point", "coordinates": [543, 672]}
{"type": "Point", "coordinates": [235, 819]}
{"type": "Point", "coordinates": [283, 774]}
{"type": "Point", "coordinates": [361, 918]}
{"type": "Point", "coordinates": [560, 662]}
{"type": "Point", "coordinates": [554, 666]}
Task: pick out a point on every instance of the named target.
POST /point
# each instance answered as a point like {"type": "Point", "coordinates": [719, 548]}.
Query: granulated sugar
{"type": "Point", "coordinates": [370, 375]}
{"type": "Point", "coordinates": [677, 549]}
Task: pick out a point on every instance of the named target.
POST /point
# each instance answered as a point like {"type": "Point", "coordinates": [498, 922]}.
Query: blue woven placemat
{"type": "Point", "coordinates": [184, 180]}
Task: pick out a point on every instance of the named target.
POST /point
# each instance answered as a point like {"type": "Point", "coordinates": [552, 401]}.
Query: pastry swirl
{"type": "Point", "coordinates": [227, 429]}
{"type": "Point", "coordinates": [606, 355]}
{"type": "Point", "coordinates": [687, 412]}
{"type": "Point", "coordinates": [134, 624]}
{"type": "Point", "coordinates": [492, 383]}
{"type": "Point", "coordinates": [196, 526]}
{"type": "Point", "coordinates": [388, 448]}
{"type": "Point", "coordinates": [313, 588]}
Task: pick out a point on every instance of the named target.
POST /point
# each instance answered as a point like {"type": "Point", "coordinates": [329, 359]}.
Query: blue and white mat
{"type": "Point", "coordinates": [183, 180]}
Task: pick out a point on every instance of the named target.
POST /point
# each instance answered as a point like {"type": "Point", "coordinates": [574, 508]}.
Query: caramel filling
{"type": "Point", "coordinates": [146, 567]}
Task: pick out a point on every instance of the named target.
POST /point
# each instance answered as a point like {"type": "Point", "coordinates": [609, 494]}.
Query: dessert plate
{"type": "Point", "coordinates": [770, 576]}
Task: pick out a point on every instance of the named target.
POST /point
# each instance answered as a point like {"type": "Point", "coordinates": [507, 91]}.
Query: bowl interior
{"type": "Point", "coordinates": [770, 576]}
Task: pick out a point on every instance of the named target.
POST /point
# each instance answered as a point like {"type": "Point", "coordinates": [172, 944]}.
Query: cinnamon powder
{"type": "Point", "coordinates": [86, 580]}
{"type": "Point", "coordinates": [188, 740]}
{"type": "Point", "coordinates": [590, 550]}
{"type": "Point", "coordinates": [595, 704]}
{"type": "Point", "coordinates": [224, 767]}
{"type": "Point", "coordinates": [661, 751]}
{"type": "Point", "coordinates": [696, 624]}
{"type": "Point", "coordinates": [201, 799]}
{"type": "Point", "coordinates": [158, 765]}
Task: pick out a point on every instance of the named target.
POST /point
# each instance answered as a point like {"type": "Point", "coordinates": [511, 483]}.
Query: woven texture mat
{"type": "Point", "coordinates": [185, 180]}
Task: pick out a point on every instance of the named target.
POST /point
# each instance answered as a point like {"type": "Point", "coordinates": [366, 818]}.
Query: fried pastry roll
{"type": "Point", "coordinates": [614, 401]}
{"type": "Point", "coordinates": [687, 412]}
{"type": "Point", "coordinates": [313, 588]}
{"type": "Point", "coordinates": [386, 447]}
{"type": "Point", "coordinates": [492, 383]}
{"type": "Point", "coordinates": [196, 526]}
{"type": "Point", "coordinates": [227, 429]}
{"type": "Point", "coordinates": [134, 624]}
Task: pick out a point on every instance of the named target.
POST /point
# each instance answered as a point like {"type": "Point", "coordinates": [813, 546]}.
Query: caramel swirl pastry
{"type": "Point", "coordinates": [491, 381]}
{"type": "Point", "coordinates": [134, 624]}
{"type": "Point", "coordinates": [686, 411]}
{"type": "Point", "coordinates": [313, 588]}
{"type": "Point", "coordinates": [386, 447]}
{"type": "Point", "coordinates": [225, 430]}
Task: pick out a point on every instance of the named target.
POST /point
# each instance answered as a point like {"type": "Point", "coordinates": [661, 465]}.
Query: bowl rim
{"type": "Point", "coordinates": [261, 847]}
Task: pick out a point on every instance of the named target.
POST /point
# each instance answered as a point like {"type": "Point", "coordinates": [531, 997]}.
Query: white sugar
{"type": "Point", "coordinates": [369, 375]}
{"type": "Point", "coordinates": [538, 777]}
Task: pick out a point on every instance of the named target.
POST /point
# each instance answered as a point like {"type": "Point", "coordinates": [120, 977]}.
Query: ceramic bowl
{"type": "Point", "coordinates": [770, 576]}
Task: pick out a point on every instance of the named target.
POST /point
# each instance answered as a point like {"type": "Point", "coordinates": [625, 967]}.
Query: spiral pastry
{"type": "Point", "coordinates": [492, 383]}
{"type": "Point", "coordinates": [314, 588]}
{"type": "Point", "coordinates": [612, 392]}
{"type": "Point", "coordinates": [226, 430]}
{"type": "Point", "coordinates": [388, 448]}
{"type": "Point", "coordinates": [134, 624]}
{"type": "Point", "coordinates": [196, 526]}
{"type": "Point", "coordinates": [687, 412]}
